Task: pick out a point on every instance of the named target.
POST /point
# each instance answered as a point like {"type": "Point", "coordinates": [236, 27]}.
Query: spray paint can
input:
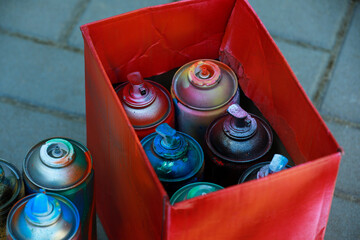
{"type": "Point", "coordinates": [146, 103]}
{"type": "Point", "coordinates": [235, 142]}
{"type": "Point", "coordinates": [11, 190]}
{"type": "Point", "coordinates": [64, 166]}
{"type": "Point", "coordinates": [43, 216]}
{"type": "Point", "coordinates": [202, 90]}
{"type": "Point", "coordinates": [263, 169]}
{"type": "Point", "coordinates": [194, 190]}
{"type": "Point", "coordinates": [176, 157]}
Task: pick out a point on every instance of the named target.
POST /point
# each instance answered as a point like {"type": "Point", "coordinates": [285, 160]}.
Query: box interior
{"type": "Point", "coordinates": [142, 41]}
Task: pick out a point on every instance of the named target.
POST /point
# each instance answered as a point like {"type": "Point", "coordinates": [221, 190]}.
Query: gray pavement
{"type": "Point", "coordinates": [42, 76]}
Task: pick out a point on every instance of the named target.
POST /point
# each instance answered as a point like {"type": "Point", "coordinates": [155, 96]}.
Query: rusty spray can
{"type": "Point", "coordinates": [194, 190]}
{"type": "Point", "coordinates": [43, 216]}
{"type": "Point", "coordinates": [263, 169]}
{"type": "Point", "coordinates": [176, 157]}
{"type": "Point", "coordinates": [64, 166]}
{"type": "Point", "coordinates": [202, 90]}
{"type": "Point", "coordinates": [235, 142]}
{"type": "Point", "coordinates": [146, 103]}
{"type": "Point", "coordinates": [11, 190]}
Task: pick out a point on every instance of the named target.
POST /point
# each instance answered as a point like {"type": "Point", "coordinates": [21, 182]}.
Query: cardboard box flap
{"type": "Point", "coordinates": [156, 39]}
{"type": "Point", "coordinates": [267, 79]}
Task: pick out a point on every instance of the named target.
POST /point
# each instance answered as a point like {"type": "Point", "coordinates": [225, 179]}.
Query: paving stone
{"type": "Point", "coordinates": [100, 9]}
{"type": "Point", "coordinates": [42, 75]}
{"type": "Point", "coordinates": [348, 178]}
{"type": "Point", "coordinates": [101, 235]}
{"type": "Point", "coordinates": [44, 19]}
{"type": "Point", "coordinates": [22, 128]}
{"type": "Point", "coordinates": [314, 22]}
{"type": "Point", "coordinates": [343, 96]}
{"type": "Point", "coordinates": [307, 64]}
{"type": "Point", "coordinates": [343, 221]}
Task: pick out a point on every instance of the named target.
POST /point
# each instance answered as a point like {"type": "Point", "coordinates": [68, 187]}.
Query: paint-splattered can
{"type": "Point", "coordinates": [235, 142]}
{"type": "Point", "coordinates": [146, 103]}
{"type": "Point", "coordinates": [64, 166]}
{"type": "Point", "coordinates": [263, 169]}
{"type": "Point", "coordinates": [176, 157]}
{"type": "Point", "coordinates": [202, 90]}
{"type": "Point", "coordinates": [194, 190]}
{"type": "Point", "coordinates": [43, 216]}
{"type": "Point", "coordinates": [11, 190]}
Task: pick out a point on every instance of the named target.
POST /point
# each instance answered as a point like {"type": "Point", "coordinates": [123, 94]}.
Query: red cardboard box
{"type": "Point", "coordinates": [131, 202]}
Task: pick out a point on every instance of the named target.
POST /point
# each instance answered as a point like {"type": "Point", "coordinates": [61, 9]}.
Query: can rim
{"type": "Point", "coordinates": [27, 198]}
{"type": "Point", "coordinates": [163, 119]}
{"type": "Point", "coordinates": [183, 188]}
{"type": "Point", "coordinates": [5, 207]}
{"type": "Point", "coordinates": [151, 136]}
{"type": "Point", "coordinates": [250, 170]}
{"type": "Point", "coordinates": [210, 108]}
{"type": "Point", "coordinates": [215, 152]}
{"type": "Point", "coordinates": [85, 177]}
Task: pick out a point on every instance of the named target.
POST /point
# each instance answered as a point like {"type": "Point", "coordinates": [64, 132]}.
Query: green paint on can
{"type": "Point", "coordinates": [194, 190]}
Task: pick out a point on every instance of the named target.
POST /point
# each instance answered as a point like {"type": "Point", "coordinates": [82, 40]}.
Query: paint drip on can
{"type": "Point", "coordinates": [146, 103]}
{"type": "Point", "coordinates": [176, 157]}
{"type": "Point", "coordinates": [43, 216]}
{"type": "Point", "coordinates": [64, 166]}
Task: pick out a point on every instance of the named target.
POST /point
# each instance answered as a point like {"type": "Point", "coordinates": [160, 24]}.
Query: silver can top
{"type": "Point", "coordinates": [57, 164]}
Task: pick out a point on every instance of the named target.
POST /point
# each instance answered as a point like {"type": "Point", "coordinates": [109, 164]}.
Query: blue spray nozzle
{"type": "Point", "coordinates": [167, 133]}
{"type": "Point", "coordinates": [41, 205]}
{"type": "Point", "coordinates": [42, 210]}
{"type": "Point", "coordinates": [165, 130]}
{"type": "Point", "coordinates": [278, 163]}
{"type": "Point", "coordinates": [168, 143]}
{"type": "Point", "coordinates": [41, 190]}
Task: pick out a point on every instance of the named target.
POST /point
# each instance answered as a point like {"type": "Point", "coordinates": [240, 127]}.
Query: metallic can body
{"type": "Point", "coordinates": [146, 117]}
{"type": "Point", "coordinates": [193, 190]}
{"type": "Point", "coordinates": [176, 157]}
{"type": "Point", "coordinates": [197, 106]}
{"type": "Point", "coordinates": [66, 225]}
{"type": "Point", "coordinates": [251, 172]}
{"type": "Point", "coordinates": [11, 190]}
{"type": "Point", "coordinates": [235, 144]}
{"type": "Point", "coordinates": [227, 173]}
{"type": "Point", "coordinates": [195, 122]}
{"type": "Point", "coordinates": [80, 193]}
